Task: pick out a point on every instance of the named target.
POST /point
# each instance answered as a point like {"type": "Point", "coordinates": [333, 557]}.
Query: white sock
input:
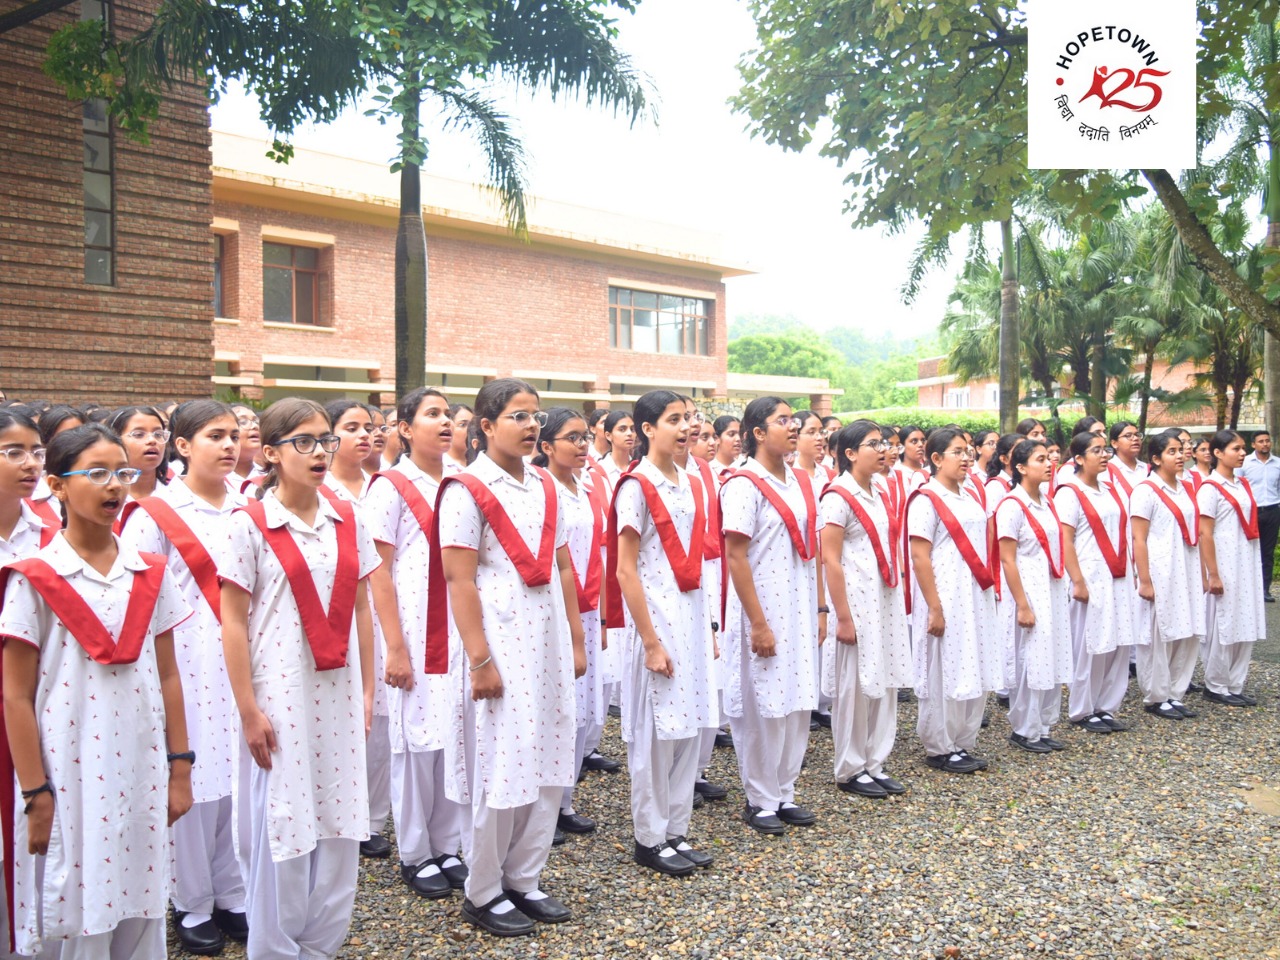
{"type": "Point", "coordinates": [506, 906]}
{"type": "Point", "coordinates": [430, 870]}
{"type": "Point", "coordinates": [534, 895]}
{"type": "Point", "coordinates": [450, 861]}
{"type": "Point", "coordinates": [195, 919]}
{"type": "Point", "coordinates": [667, 851]}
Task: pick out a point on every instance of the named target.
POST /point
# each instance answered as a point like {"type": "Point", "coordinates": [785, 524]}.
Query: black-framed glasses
{"type": "Point", "coordinates": [102, 475]}
{"type": "Point", "coordinates": [577, 439]}
{"type": "Point", "coordinates": [18, 455]}
{"type": "Point", "coordinates": [879, 446]}
{"type": "Point", "coordinates": [305, 443]}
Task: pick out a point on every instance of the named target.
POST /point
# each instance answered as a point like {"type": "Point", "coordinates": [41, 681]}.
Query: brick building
{"type": "Point", "coordinates": [938, 390]}
{"type": "Point", "coordinates": [104, 243]}
{"type": "Point", "coordinates": [594, 308]}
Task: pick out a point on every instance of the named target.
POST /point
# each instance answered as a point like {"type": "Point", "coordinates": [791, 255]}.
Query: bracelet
{"type": "Point", "coordinates": [824, 609]}
{"type": "Point", "coordinates": [485, 662]}
{"type": "Point", "coordinates": [189, 756]}
{"type": "Point", "coordinates": [30, 795]}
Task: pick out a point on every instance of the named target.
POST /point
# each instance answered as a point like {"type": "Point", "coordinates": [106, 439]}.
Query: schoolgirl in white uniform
{"type": "Point", "coordinates": [298, 642]}
{"type": "Point", "coordinates": [810, 461]}
{"type": "Point", "coordinates": [620, 428]}
{"type": "Point", "coordinates": [1095, 526]}
{"type": "Point", "coordinates": [23, 531]}
{"type": "Point", "coordinates": [958, 653]}
{"type": "Point", "coordinates": [911, 472]}
{"type": "Point", "coordinates": [52, 422]}
{"type": "Point", "coordinates": [94, 716]}
{"type": "Point", "coordinates": [728, 445]}
{"type": "Point", "coordinates": [399, 506]}
{"type": "Point", "coordinates": [1033, 609]}
{"type": "Point", "coordinates": [1229, 548]}
{"type": "Point", "coordinates": [248, 466]}
{"type": "Point", "coordinates": [461, 415]}
{"type": "Point", "coordinates": [188, 522]}
{"type": "Point", "coordinates": [656, 530]}
{"type": "Point", "coordinates": [1203, 463]}
{"type": "Point", "coordinates": [871, 655]}
{"type": "Point", "coordinates": [773, 617]}
{"type": "Point", "coordinates": [1126, 470]}
{"type": "Point", "coordinates": [999, 480]}
{"type": "Point", "coordinates": [144, 434]}
{"type": "Point", "coordinates": [513, 606]}
{"type": "Point", "coordinates": [377, 440]}
{"type": "Point", "coordinates": [1169, 619]}
{"type": "Point", "coordinates": [584, 505]}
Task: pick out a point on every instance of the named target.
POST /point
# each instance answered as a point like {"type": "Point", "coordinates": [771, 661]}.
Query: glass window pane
{"type": "Point", "coordinates": [645, 332]}
{"type": "Point", "coordinates": [97, 228]}
{"type": "Point", "coordinates": [95, 116]}
{"type": "Point", "coordinates": [305, 288]}
{"type": "Point", "coordinates": [702, 336]}
{"type": "Point", "coordinates": [97, 266]}
{"type": "Point", "coordinates": [647, 300]}
{"type": "Point", "coordinates": [218, 245]}
{"type": "Point", "coordinates": [671, 303]}
{"type": "Point", "coordinates": [624, 329]}
{"type": "Point", "coordinates": [277, 254]}
{"type": "Point", "coordinates": [277, 295]}
{"type": "Point", "coordinates": [624, 297]}
{"type": "Point", "coordinates": [97, 191]}
{"type": "Point", "coordinates": [669, 334]}
{"type": "Point", "coordinates": [97, 151]}
{"type": "Point", "coordinates": [613, 325]}
{"type": "Point", "coordinates": [305, 257]}
{"type": "Point", "coordinates": [91, 9]}
{"type": "Point", "coordinates": [613, 294]}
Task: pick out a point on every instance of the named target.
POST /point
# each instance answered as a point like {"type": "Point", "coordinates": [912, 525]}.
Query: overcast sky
{"type": "Point", "coordinates": [696, 166]}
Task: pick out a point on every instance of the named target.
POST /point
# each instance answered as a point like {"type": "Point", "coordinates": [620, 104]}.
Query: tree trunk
{"type": "Point", "coordinates": [1144, 402]}
{"type": "Point", "coordinates": [411, 275]}
{"type": "Point", "coordinates": [1097, 405]}
{"type": "Point", "coordinates": [1220, 405]}
{"type": "Point", "coordinates": [1009, 346]}
{"type": "Point", "coordinates": [1209, 258]}
{"type": "Point", "coordinates": [1237, 401]}
{"type": "Point", "coordinates": [1270, 345]}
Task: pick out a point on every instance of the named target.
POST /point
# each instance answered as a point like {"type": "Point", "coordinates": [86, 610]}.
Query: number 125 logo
{"type": "Point", "coordinates": [1125, 79]}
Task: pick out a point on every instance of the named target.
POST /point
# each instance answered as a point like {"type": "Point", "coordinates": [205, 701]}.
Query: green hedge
{"type": "Point", "coordinates": [971, 420]}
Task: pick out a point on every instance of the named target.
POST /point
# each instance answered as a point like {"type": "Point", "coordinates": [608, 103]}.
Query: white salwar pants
{"type": "Point", "coordinates": [132, 939]}
{"type": "Point", "coordinates": [1032, 713]}
{"type": "Point", "coordinates": [205, 872]}
{"type": "Point", "coordinates": [662, 776]}
{"type": "Point", "coordinates": [862, 728]}
{"type": "Point", "coordinates": [428, 823]}
{"type": "Point", "coordinates": [945, 726]}
{"type": "Point", "coordinates": [584, 735]}
{"type": "Point", "coordinates": [1099, 682]}
{"type": "Point", "coordinates": [509, 846]}
{"type": "Point", "coordinates": [298, 909]}
{"type": "Point", "coordinates": [1165, 669]}
{"type": "Point", "coordinates": [770, 751]}
{"type": "Point", "coordinates": [377, 765]}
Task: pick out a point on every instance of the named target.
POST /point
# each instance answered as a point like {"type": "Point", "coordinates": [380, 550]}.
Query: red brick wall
{"type": "Point", "coordinates": [148, 336]}
{"type": "Point", "coordinates": [492, 302]}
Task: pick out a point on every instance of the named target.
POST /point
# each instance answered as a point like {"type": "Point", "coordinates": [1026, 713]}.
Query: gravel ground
{"type": "Point", "coordinates": [1161, 842]}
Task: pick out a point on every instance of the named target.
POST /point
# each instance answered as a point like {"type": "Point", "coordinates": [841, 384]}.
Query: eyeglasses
{"type": "Point", "coordinates": [522, 417]}
{"type": "Point", "coordinates": [18, 456]}
{"type": "Point", "coordinates": [789, 423]}
{"type": "Point", "coordinates": [160, 436]}
{"type": "Point", "coordinates": [1130, 435]}
{"type": "Point", "coordinates": [385, 428]}
{"type": "Point", "coordinates": [577, 439]}
{"type": "Point", "coordinates": [879, 446]}
{"type": "Point", "coordinates": [247, 422]}
{"type": "Point", "coordinates": [963, 453]}
{"type": "Point", "coordinates": [102, 476]}
{"type": "Point", "coordinates": [695, 418]}
{"type": "Point", "coordinates": [989, 443]}
{"type": "Point", "coordinates": [305, 443]}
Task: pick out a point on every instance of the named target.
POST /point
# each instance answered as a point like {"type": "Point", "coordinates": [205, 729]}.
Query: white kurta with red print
{"type": "Point", "coordinates": [578, 519]}
{"type": "Point", "coordinates": [524, 740]}
{"type": "Point", "coordinates": [1238, 615]}
{"type": "Point", "coordinates": [1108, 616]}
{"type": "Point", "coordinates": [102, 740]}
{"type": "Point", "coordinates": [316, 786]}
{"type": "Point", "coordinates": [787, 589]}
{"type": "Point", "coordinates": [1178, 610]}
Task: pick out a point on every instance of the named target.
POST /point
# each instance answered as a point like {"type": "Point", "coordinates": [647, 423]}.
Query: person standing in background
{"type": "Point", "coordinates": [1263, 473]}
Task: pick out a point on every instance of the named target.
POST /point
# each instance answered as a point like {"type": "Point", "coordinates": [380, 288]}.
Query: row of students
{"type": "Point", "coordinates": [508, 559]}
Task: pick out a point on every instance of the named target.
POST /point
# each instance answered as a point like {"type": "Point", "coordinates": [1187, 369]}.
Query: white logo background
{"type": "Point", "coordinates": [1128, 41]}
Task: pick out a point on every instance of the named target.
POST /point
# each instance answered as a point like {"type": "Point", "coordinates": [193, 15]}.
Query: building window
{"type": "Point", "coordinates": [218, 248]}
{"type": "Point", "coordinates": [657, 322]}
{"type": "Point", "coordinates": [956, 399]}
{"type": "Point", "coordinates": [99, 178]}
{"type": "Point", "coordinates": [293, 287]}
{"type": "Point", "coordinates": [993, 396]}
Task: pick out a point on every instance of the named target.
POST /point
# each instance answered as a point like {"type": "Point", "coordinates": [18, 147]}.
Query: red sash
{"type": "Point", "coordinates": [978, 489]}
{"type": "Point", "coordinates": [1042, 537]}
{"type": "Point", "coordinates": [1117, 476]}
{"type": "Point", "coordinates": [981, 571]}
{"type": "Point", "coordinates": [412, 497]}
{"type": "Point", "coordinates": [203, 570]}
{"type": "Point", "coordinates": [1249, 524]}
{"type": "Point", "coordinates": [999, 478]}
{"type": "Point", "coordinates": [327, 492]}
{"type": "Point", "coordinates": [328, 635]}
{"type": "Point", "coordinates": [888, 565]}
{"type": "Point", "coordinates": [831, 474]}
{"type": "Point", "coordinates": [598, 476]}
{"type": "Point", "coordinates": [1189, 537]}
{"type": "Point", "coordinates": [710, 542]}
{"type": "Point", "coordinates": [247, 485]}
{"type": "Point", "coordinates": [687, 566]}
{"type": "Point", "coordinates": [589, 589]}
{"type": "Point", "coordinates": [788, 517]}
{"type": "Point", "coordinates": [534, 571]}
{"type": "Point", "coordinates": [1114, 556]}
{"type": "Point", "coordinates": [48, 516]}
{"type": "Point", "coordinates": [78, 617]}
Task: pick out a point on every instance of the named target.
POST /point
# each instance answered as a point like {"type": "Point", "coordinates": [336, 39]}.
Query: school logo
{"type": "Point", "coordinates": [1111, 84]}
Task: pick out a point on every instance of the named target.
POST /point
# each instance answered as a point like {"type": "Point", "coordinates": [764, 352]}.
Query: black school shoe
{"type": "Point", "coordinates": [234, 926]}
{"type": "Point", "coordinates": [1115, 725]}
{"type": "Point", "coordinates": [1183, 709]}
{"type": "Point", "coordinates": [1226, 699]}
{"type": "Point", "coordinates": [456, 873]}
{"type": "Point", "coordinates": [377, 847]}
{"type": "Point", "coordinates": [889, 785]}
{"type": "Point", "coordinates": [432, 886]}
{"type": "Point", "coordinates": [573, 823]}
{"type": "Point", "coordinates": [204, 939]}
{"type": "Point", "coordinates": [724, 739]}
{"type": "Point", "coordinates": [1093, 725]}
{"type": "Point", "coordinates": [822, 719]}
{"type": "Point", "coordinates": [595, 760]}
{"type": "Point", "coordinates": [546, 910]}
{"type": "Point", "coordinates": [1249, 701]}
{"type": "Point", "coordinates": [954, 763]}
{"type": "Point", "coordinates": [685, 849]}
{"type": "Point", "coordinates": [797, 816]}
{"type": "Point", "coordinates": [1164, 710]}
{"type": "Point", "coordinates": [863, 785]}
{"type": "Point", "coordinates": [1053, 744]}
{"type": "Point", "coordinates": [758, 820]}
{"type": "Point", "coordinates": [513, 923]}
{"type": "Point", "coordinates": [1031, 746]}
{"type": "Point", "coordinates": [673, 865]}
{"type": "Point", "coordinates": [710, 791]}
